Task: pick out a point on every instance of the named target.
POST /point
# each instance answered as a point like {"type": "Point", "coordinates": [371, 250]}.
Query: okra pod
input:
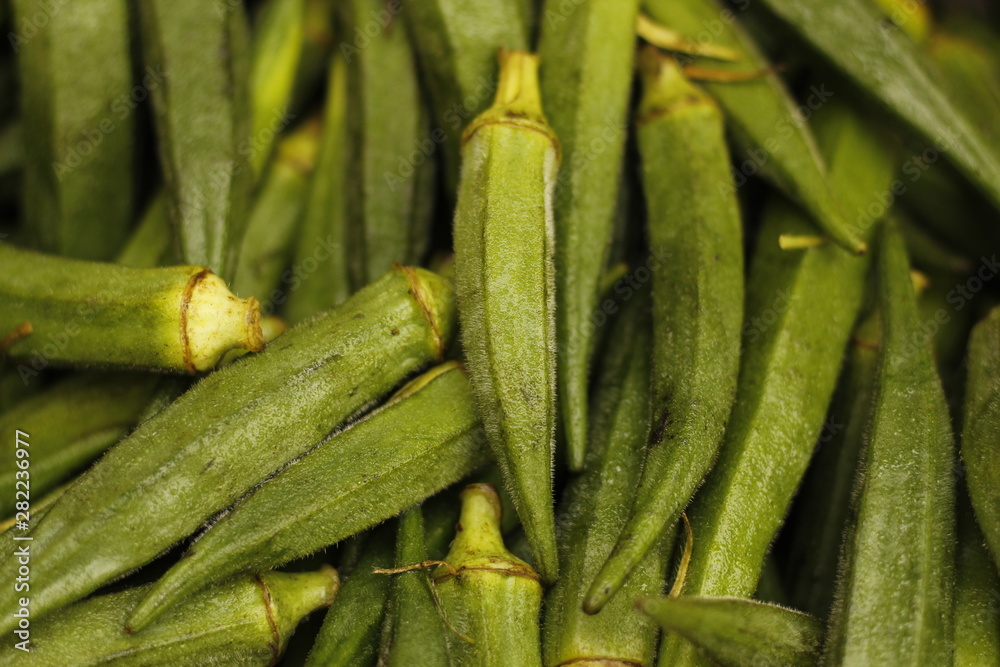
{"type": "Point", "coordinates": [697, 306]}
{"type": "Point", "coordinates": [456, 43]}
{"type": "Point", "coordinates": [491, 598]}
{"type": "Point", "coordinates": [151, 242]}
{"type": "Point", "coordinates": [190, 461]}
{"type": "Point", "coordinates": [347, 484]}
{"type": "Point", "coordinates": [774, 138]}
{"type": "Point", "coordinates": [414, 633]}
{"type": "Point", "coordinates": [350, 632]}
{"type": "Point", "coordinates": [319, 278]}
{"type": "Point", "coordinates": [596, 507]}
{"type": "Point", "coordinates": [267, 245]}
{"type": "Point", "coordinates": [977, 614]}
{"type": "Point", "coordinates": [78, 106]}
{"type": "Point", "coordinates": [888, 66]}
{"type": "Point", "coordinates": [179, 319]}
{"type": "Point", "coordinates": [820, 515]}
{"type": "Point", "coordinates": [391, 183]}
{"type": "Point", "coordinates": [734, 632]}
{"type": "Point", "coordinates": [971, 76]}
{"type": "Point", "coordinates": [914, 18]}
{"type": "Point", "coordinates": [279, 33]}
{"type": "Point", "coordinates": [894, 603]}
{"type": "Point", "coordinates": [587, 50]}
{"type": "Point", "coordinates": [981, 424]}
{"type": "Point", "coordinates": [68, 425]}
{"type": "Point", "coordinates": [247, 621]}
{"type": "Point", "coordinates": [203, 119]}
{"type": "Point", "coordinates": [506, 291]}
{"type": "Point", "coordinates": [801, 308]}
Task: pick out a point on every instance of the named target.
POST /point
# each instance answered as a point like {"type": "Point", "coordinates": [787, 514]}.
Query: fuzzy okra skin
{"type": "Point", "coordinates": [76, 81]}
{"type": "Point", "coordinates": [246, 621]}
{"type": "Point", "coordinates": [977, 615]}
{"type": "Point", "coordinates": [68, 425]}
{"type": "Point", "coordinates": [762, 115]}
{"type": "Point", "coordinates": [413, 633]}
{"type": "Point", "coordinates": [391, 184]}
{"type": "Point", "coordinates": [980, 445]}
{"type": "Point", "coordinates": [230, 431]}
{"type": "Point", "coordinates": [456, 42]}
{"type": "Point", "coordinates": [274, 220]}
{"type": "Point", "coordinates": [179, 319]}
{"type": "Point", "coordinates": [203, 121]}
{"type": "Point", "coordinates": [801, 308]}
{"type": "Point", "coordinates": [319, 278]}
{"type": "Point", "coordinates": [504, 278]}
{"type": "Point", "coordinates": [694, 220]}
{"type": "Point", "coordinates": [587, 50]}
{"type": "Point", "coordinates": [350, 632]}
{"type": "Point", "coordinates": [734, 632]}
{"type": "Point", "coordinates": [488, 595]}
{"type": "Point", "coordinates": [895, 589]}
{"type": "Point", "coordinates": [597, 506]}
{"type": "Point", "coordinates": [347, 484]}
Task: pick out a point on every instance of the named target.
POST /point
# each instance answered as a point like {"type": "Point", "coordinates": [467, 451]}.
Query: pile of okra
{"type": "Point", "coordinates": [499, 333]}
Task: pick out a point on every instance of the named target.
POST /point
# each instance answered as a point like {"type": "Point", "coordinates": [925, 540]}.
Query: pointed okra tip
{"type": "Point", "coordinates": [213, 321]}
{"type": "Point", "coordinates": [435, 296]}
{"type": "Point", "coordinates": [291, 596]}
{"type": "Point", "coordinates": [478, 541]}
{"type": "Point", "coordinates": [518, 99]}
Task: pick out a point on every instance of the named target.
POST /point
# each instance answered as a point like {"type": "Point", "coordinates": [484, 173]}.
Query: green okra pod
{"type": "Point", "coordinates": [179, 319]}
{"type": "Point", "coordinates": [505, 283]}
{"type": "Point", "coordinates": [347, 484]}
{"type": "Point", "coordinates": [79, 139]}
{"type": "Point", "coordinates": [247, 621]}
{"type": "Point", "coordinates": [68, 425]}
{"type": "Point", "coordinates": [151, 242]}
{"type": "Point", "coordinates": [350, 632]}
{"type": "Point", "coordinates": [319, 278]}
{"type": "Point", "coordinates": [279, 35]}
{"type": "Point", "coordinates": [774, 138]}
{"type": "Point", "coordinates": [889, 67]}
{"type": "Point", "coordinates": [734, 632]}
{"type": "Point", "coordinates": [894, 603]}
{"type": "Point", "coordinates": [820, 514]}
{"type": "Point", "coordinates": [391, 182]}
{"type": "Point", "coordinates": [801, 308]}
{"type": "Point", "coordinates": [977, 587]}
{"type": "Point", "coordinates": [914, 18]}
{"type": "Point", "coordinates": [596, 507]}
{"type": "Point", "coordinates": [491, 598]}
{"type": "Point", "coordinates": [203, 119]}
{"type": "Point", "coordinates": [587, 50]}
{"type": "Point", "coordinates": [456, 43]}
{"type": "Point", "coordinates": [218, 440]}
{"type": "Point", "coordinates": [981, 424]}
{"type": "Point", "coordinates": [414, 633]}
{"type": "Point", "coordinates": [694, 226]}
{"type": "Point", "coordinates": [267, 245]}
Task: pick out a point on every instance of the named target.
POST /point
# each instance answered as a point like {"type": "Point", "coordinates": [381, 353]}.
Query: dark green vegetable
{"type": "Point", "coordinates": [697, 306]}
{"type": "Point", "coordinates": [350, 632]}
{"type": "Point", "coordinates": [203, 122]}
{"type": "Point", "coordinates": [587, 51]}
{"type": "Point", "coordinates": [78, 107]}
{"type": "Point", "coordinates": [347, 484]}
{"type": "Point", "coordinates": [390, 183]}
{"type": "Point", "coordinates": [505, 284]}
{"type": "Point", "coordinates": [895, 590]}
{"type": "Point", "coordinates": [801, 308]}
{"type": "Point", "coordinates": [735, 632]}
{"type": "Point", "coordinates": [179, 319]}
{"type": "Point", "coordinates": [596, 507]}
{"type": "Point", "coordinates": [491, 598]}
{"type": "Point", "coordinates": [230, 431]}
{"type": "Point", "coordinates": [977, 614]}
{"type": "Point", "coordinates": [247, 621]}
